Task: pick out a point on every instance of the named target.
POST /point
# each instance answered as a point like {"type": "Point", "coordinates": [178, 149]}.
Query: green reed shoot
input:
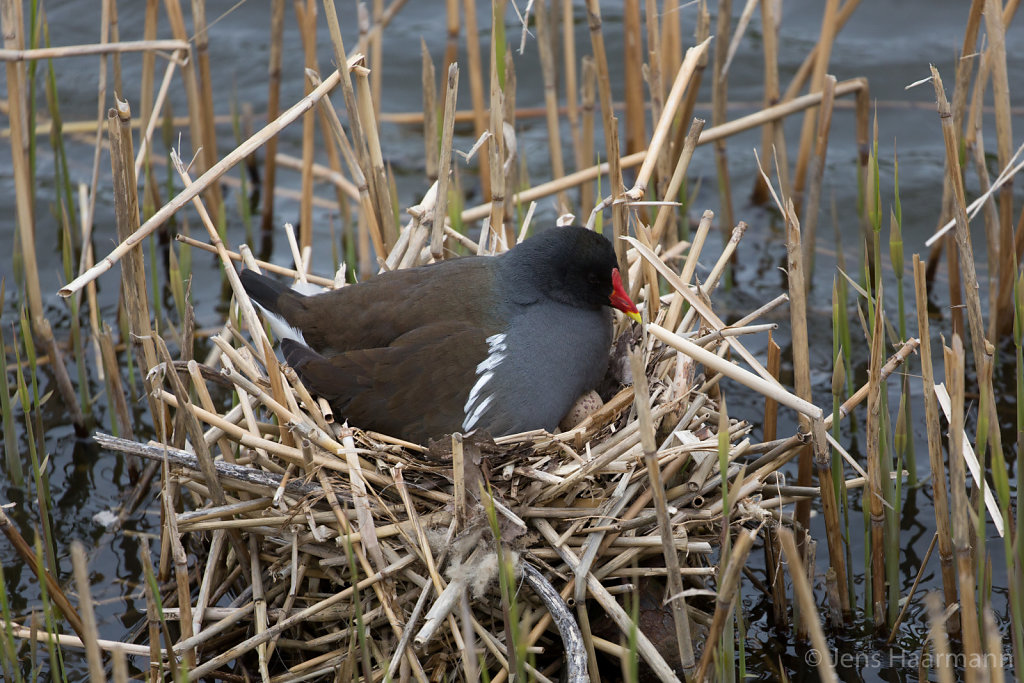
{"type": "Point", "coordinates": [896, 257]}
{"type": "Point", "coordinates": [9, 655]}
{"type": "Point", "coordinates": [11, 451]}
{"type": "Point", "coordinates": [507, 583]}
{"type": "Point", "coordinates": [51, 618]}
{"type": "Point", "coordinates": [364, 646]}
{"type": "Point", "coordinates": [28, 402]}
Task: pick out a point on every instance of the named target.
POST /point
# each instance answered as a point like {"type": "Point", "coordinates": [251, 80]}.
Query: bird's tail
{"type": "Point", "coordinates": [263, 290]}
{"type": "Point", "coordinates": [267, 293]}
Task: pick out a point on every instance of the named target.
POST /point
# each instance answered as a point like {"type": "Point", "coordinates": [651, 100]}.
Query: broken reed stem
{"type": "Point", "coordinates": [995, 57]}
{"type": "Point", "coordinates": [808, 610]}
{"type": "Point", "coordinates": [728, 587]}
{"type": "Point", "coordinates": [380, 189]}
{"type": "Point", "coordinates": [368, 212]}
{"type": "Point", "coordinates": [874, 455]}
{"type": "Point", "coordinates": [273, 107]}
{"type": "Point", "coordinates": [429, 112]}
{"type": "Point", "coordinates": [961, 525]}
{"type": "Point", "coordinates": [817, 176]}
{"type": "Point", "coordinates": [664, 125]}
{"type": "Point", "coordinates": [667, 212]}
{"type": "Point", "coordinates": [220, 168]}
{"type": "Point", "coordinates": [823, 52]}
{"type": "Point", "coordinates": [935, 456]}
{"type": "Point", "coordinates": [571, 83]}
{"type": "Point", "coordinates": [719, 102]}
{"type": "Point", "coordinates": [547, 65]}
{"type": "Point", "coordinates": [770, 133]}
{"type": "Point", "coordinates": [444, 165]}
{"type": "Point", "coordinates": [801, 352]}
{"type": "Point", "coordinates": [983, 351]}
{"type": "Point", "coordinates": [305, 17]}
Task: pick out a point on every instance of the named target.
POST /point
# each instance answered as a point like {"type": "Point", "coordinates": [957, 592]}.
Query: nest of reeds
{"type": "Point", "coordinates": [318, 548]}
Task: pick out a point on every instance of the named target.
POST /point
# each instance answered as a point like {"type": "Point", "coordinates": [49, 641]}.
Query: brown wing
{"type": "Point", "coordinates": [375, 313]}
{"type": "Point", "coordinates": [414, 389]}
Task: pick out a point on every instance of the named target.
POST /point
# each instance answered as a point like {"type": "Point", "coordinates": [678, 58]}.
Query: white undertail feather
{"type": "Point", "coordinates": [278, 325]}
{"type": "Point", "coordinates": [477, 404]}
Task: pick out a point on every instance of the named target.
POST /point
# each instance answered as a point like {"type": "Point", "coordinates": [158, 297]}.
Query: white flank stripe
{"type": "Point", "coordinates": [477, 404]}
{"type": "Point", "coordinates": [471, 420]}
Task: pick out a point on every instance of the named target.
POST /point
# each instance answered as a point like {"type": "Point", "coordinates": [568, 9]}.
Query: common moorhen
{"type": "Point", "coordinates": [503, 344]}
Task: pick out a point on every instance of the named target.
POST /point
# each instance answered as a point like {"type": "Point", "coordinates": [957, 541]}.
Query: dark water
{"type": "Point", "coordinates": [890, 43]}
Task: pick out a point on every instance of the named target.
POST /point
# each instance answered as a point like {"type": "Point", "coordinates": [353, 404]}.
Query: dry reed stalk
{"type": "Point", "coordinates": [297, 618]}
{"type": "Point", "coordinates": [587, 143]}
{"type": "Point", "coordinates": [12, 23]}
{"type": "Point", "coordinates": [205, 155]}
{"type": "Point", "coordinates": [817, 175]}
{"type": "Point", "coordinates": [770, 134]}
{"type": "Point", "coordinates": [150, 121]}
{"type": "Point", "coordinates": [611, 606]}
{"type": "Point", "coordinates": [149, 67]}
{"type": "Point", "coordinates": [114, 647]}
{"type": "Point", "coordinates": [430, 109]}
{"type": "Point", "coordinates": [348, 190]}
{"type": "Point", "coordinates": [856, 85]}
{"type": "Point", "coordinates": [183, 197]}
{"type": "Point", "coordinates": [805, 597]}
{"type": "Point", "coordinates": [719, 102]}
{"type": "Point", "coordinates": [444, 165]}
{"type": "Point", "coordinates": [874, 456]}
{"type": "Point", "coordinates": [961, 525]}
{"type": "Point", "coordinates": [28, 555]}
{"type": "Point", "coordinates": [477, 91]}
{"type": "Point", "coordinates": [204, 89]}
{"type": "Point", "coordinates": [701, 32]}
{"type": "Point", "coordinates": [684, 640]}
{"type": "Point", "coordinates": [203, 455]}
{"type": "Point", "coordinates": [728, 587]}
{"type": "Point", "coordinates": [305, 17]}
{"type": "Point", "coordinates": [547, 65]}
{"type": "Point", "coordinates": [800, 344]}
{"type": "Point", "coordinates": [451, 52]}
{"type": "Point", "coordinates": [496, 127]}
{"type": "Point", "coordinates": [981, 347]}
{"type": "Point", "coordinates": [375, 172]}
{"type": "Point", "coordinates": [655, 79]}
{"type": "Point", "coordinates": [734, 372]}
{"type": "Point", "coordinates": [572, 92]}
{"type": "Point", "coordinates": [273, 108]}
{"type": "Point", "coordinates": [633, 57]}
{"type": "Point", "coordinates": [376, 43]}
{"type": "Point", "coordinates": [705, 312]}
{"type": "Point", "coordinates": [995, 55]}
{"type": "Point", "coordinates": [133, 274]}
{"type": "Point", "coordinates": [366, 205]}
{"type": "Point", "coordinates": [664, 125]}
{"type": "Point", "coordinates": [666, 213]}
{"type": "Point", "coordinates": [823, 52]}
{"type": "Point", "coordinates": [100, 48]}
{"type": "Point", "coordinates": [935, 457]}
{"type": "Point", "coordinates": [600, 63]}
{"type": "Point", "coordinates": [771, 406]}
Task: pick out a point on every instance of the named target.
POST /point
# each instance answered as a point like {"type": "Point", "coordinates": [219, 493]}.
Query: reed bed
{"type": "Point", "coordinates": [295, 546]}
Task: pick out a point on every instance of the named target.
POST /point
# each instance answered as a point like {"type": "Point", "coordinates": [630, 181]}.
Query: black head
{"type": "Point", "coordinates": [571, 265]}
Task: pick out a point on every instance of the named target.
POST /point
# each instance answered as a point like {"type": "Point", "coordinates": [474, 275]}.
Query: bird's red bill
{"type": "Point", "coordinates": [620, 299]}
